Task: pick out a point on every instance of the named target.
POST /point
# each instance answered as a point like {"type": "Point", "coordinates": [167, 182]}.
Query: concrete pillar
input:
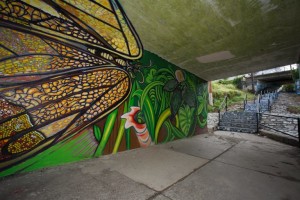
{"type": "Point", "coordinates": [252, 82]}
{"type": "Point", "coordinates": [298, 66]}
{"type": "Point", "coordinates": [210, 95]}
{"type": "Point", "coordinates": [297, 81]}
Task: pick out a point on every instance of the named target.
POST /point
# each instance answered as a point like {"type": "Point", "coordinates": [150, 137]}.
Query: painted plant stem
{"type": "Point", "coordinates": [130, 103]}
{"type": "Point", "coordinates": [107, 131]}
{"type": "Point", "coordinates": [97, 132]}
{"type": "Point", "coordinates": [177, 121]}
{"type": "Point", "coordinates": [201, 124]}
{"type": "Point", "coordinates": [163, 117]}
{"type": "Point", "coordinates": [148, 111]}
{"type": "Point", "coordinates": [121, 131]}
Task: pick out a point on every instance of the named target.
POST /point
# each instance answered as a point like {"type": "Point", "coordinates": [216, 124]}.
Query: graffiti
{"type": "Point", "coordinates": [74, 68]}
{"type": "Point", "coordinates": [134, 120]}
{"type": "Point", "coordinates": [73, 86]}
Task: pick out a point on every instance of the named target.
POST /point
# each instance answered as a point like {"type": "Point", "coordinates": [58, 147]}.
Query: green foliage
{"type": "Point", "coordinates": [225, 82]}
{"type": "Point", "coordinates": [237, 82]}
{"type": "Point", "coordinates": [294, 109]}
{"type": "Point", "coordinates": [234, 94]}
{"type": "Point", "coordinates": [289, 87]}
{"type": "Point", "coordinates": [295, 74]}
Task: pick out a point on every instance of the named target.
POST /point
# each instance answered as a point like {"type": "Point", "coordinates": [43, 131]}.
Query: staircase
{"type": "Point", "coordinates": [245, 121]}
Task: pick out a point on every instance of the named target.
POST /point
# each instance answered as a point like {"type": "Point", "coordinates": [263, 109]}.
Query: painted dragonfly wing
{"type": "Point", "coordinates": [25, 57]}
{"type": "Point", "coordinates": [60, 106]}
{"type": "Point", "coordinates": [57, 71]}
{"type": "Point", "coordinates": [100, 26]}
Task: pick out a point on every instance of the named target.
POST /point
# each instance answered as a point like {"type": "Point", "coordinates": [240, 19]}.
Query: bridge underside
{"type": "Point", "coordinates": [216, 39]}
{"type": "Point", "coordinates": [270, 81]}
{"type": "Point", "coordinates": [276, 78]}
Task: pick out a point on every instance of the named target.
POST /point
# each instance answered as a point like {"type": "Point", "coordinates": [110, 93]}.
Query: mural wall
{"type": "Point", "coordinates": [75, 83]}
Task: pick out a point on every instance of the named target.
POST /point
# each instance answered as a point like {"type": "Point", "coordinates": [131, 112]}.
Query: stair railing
{"type": "Point", "coordinates": [245, 102]}
{"type": "Point", "coordinates": [259, 105]}
{"type": "Point", "coordinates": [223, 105]}
{"type": "Point", "coordinates": [270, 97]}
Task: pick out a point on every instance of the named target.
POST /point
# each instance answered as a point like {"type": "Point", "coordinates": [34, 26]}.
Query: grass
{"type": "Point", "coordinates": [294, 109]}
{"type": "Point", "coordinates": [235, 96]}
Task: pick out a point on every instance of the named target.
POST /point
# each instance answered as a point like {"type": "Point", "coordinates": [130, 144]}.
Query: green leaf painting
{"type": "Point", "coordinates": [186, 118]}
{"type": "Point", "coordinates": [189, 97]}
{"type": "Point", "coordinates": [171, 85]}
{"type": "Point", "coordinates": [164, 103]}
{"type": "Point", "coordinates": [97, 133]}
{"type": "Point", "coordinates": [176, 102]}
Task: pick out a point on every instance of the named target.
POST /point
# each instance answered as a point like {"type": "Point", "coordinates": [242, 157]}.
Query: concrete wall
{"type": "Point", "coordinates": [286, 125]}
{"type": "Point", "coordinates": [77, 86]}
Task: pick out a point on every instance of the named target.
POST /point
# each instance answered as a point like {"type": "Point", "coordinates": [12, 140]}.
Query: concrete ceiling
{"type": "Point", "coordinates": [219, 38]}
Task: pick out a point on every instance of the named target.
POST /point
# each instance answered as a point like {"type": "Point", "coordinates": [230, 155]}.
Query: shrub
{"type": "Point", "coordinates": [238, 82]}
{"type": "Point", "coordinates": [289, 87]}
{"type": "Point", "coordinates": [295, 74]}
{"type": "Point", "coordinates": [224, 82]}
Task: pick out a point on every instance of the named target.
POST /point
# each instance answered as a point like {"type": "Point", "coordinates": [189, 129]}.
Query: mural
{"type": "Point", "coordinates": [74, 85]}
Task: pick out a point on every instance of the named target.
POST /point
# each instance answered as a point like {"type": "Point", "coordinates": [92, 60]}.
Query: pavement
{"type": "Point", "coordinates": [222, 165]}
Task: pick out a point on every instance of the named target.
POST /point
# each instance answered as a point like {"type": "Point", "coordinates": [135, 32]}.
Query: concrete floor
{"type": "Point", "coordinates": [223, 165]}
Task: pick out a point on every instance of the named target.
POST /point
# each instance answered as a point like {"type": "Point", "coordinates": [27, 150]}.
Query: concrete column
{"type": "Point", "coordinates": [210, 95]}
{"type": "Point", "coordinates": [298, 66]}
{"type": "Point", "coordinates": [252, 82]}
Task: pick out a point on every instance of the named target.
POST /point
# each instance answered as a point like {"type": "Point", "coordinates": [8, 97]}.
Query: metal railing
{"type": "Point", "coordinates": [260, 98]}
{"type": "Point", "coordinates": [222, 106]}
{"type": "Point", "coordinates": [245, 101]}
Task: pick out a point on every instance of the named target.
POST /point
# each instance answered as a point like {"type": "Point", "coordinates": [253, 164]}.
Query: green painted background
{"type": "Point", "coordinates": [172, 108]}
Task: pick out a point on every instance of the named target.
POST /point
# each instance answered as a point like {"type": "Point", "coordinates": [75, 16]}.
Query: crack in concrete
{"type": "Point", "coordinates": [209, 161]}
{"type": "Point", "coordinates": [289, 178]}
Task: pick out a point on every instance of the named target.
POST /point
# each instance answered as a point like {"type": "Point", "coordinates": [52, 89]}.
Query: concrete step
{"type": "Point", "coordinates": [245, 122]}
{"type": "Point", "coordinates": [252, 123]}
{"type": "Point", "coordinates": [244, 118]}
{"type": "Point", "coordinates": [239, 113]}
{"type": "Point", "coordinates": [237, 129]}
{"type": "Point", "coordinates": [240, 125]}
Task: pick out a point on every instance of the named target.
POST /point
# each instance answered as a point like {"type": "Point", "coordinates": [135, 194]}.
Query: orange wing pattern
{"type": "Point", "coordinates": [90, 23]}
{"type": "Point", "coordinates": [62, 67]}
{"type": "Point", "coordinates": [77, 99]}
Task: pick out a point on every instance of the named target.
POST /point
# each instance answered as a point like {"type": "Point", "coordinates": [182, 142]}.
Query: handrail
{"type": "Point", "coordinates": [224, 102]}
{"type": "Point", "coordinates": [220, 108]}
{"type": "Point", "coordinates": [263, 102]}
{"type": "Point", "coordinates": [245, 101]}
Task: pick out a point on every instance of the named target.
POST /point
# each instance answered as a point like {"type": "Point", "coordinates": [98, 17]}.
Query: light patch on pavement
{"type": "Point", "coordinates": [155, 167]}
